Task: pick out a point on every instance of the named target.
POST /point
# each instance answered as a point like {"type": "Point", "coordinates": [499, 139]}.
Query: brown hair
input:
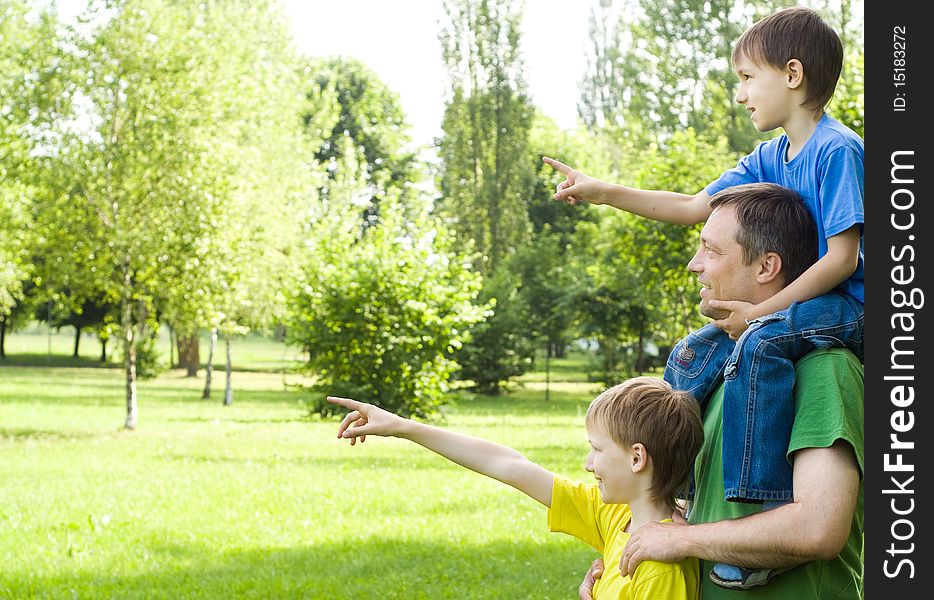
{"type": "Point", "coordinates": [800, 33]}
{"type": "Point", "coordinates": [772, 218]}
{"type": "Point", "coordinates": [648, 411]}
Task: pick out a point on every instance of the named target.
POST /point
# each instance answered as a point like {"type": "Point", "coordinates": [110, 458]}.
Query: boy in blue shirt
{"type": "Point", "coordinates": [788, 65]}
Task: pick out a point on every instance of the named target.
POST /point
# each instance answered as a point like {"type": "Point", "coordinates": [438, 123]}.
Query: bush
{"type": "Point", "coordinates": [382, 314]}
{"type": "Point", "coordinates": [502, 346]}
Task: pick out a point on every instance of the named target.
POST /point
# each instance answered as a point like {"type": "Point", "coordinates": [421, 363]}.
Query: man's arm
{"type": "Point", "coordinates": [815, 526]}
{"type": "Point", "coordinates": [485, 457]}
{"type": "Point", "coordinates": [669, 207]}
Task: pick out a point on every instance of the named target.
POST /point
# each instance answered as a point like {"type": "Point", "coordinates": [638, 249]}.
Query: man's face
{"type": "Point", "coordinates": [718, 264]}
{"type": "Point", "coordinates": [764, 91]}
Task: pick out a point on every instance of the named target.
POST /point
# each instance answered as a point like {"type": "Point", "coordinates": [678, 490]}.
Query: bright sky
{"type": "Point", "coordinates": [399, 41]}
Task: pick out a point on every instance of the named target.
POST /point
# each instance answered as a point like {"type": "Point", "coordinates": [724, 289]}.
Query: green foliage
{"type": "Point", "coordinates": [848, 105]}
{"type": "Point", "coordinates": [363, 114]}
{"type": "Point", "coordinates": [502, 346]}
{"type": "Point", "coordinates": [382, 314]}
{"type": "Point", "coordinates": [664, 66]}
{"type": "Point", "coordinates": [149, 362]}
{"type": "Point", "coordinates": [26, 48]}
{"type": "Point", "coordinates": [485, 178]}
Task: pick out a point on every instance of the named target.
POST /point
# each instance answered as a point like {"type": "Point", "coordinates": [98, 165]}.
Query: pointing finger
{"type": "Point", "coordinates": [557, 164]}
{"type": "Point", "coordinates": [345, 402]}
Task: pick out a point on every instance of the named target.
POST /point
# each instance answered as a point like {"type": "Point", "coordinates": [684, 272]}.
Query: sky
{"type": "Point", "coordinates": [399, 41]}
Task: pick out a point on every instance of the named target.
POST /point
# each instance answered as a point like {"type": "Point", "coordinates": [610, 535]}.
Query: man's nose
{"type": "Point", "coordinates": [695, 265]}
{"type": "Point", "coordinates": [740, 96]}
{"type": "Point", "coordinates": [588, 463]}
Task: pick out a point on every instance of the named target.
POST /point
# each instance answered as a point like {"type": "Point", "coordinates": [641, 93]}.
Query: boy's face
{"type": "Point", "coordinates": [610, 465]}
{"type": "Point", "coordinates": [764, 90]}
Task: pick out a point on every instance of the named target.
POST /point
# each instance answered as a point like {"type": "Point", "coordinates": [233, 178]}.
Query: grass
{"type": "Point", "coordinates": [35, 345]}
{"type": "Point", "coordinates": [257, 501]}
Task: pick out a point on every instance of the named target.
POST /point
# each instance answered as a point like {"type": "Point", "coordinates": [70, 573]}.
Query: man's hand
{"type": "Point", "coordinates": [365, 419]}
{"type": "Point", "coordinates": [740, 315]}
{"type": "Point", "coordinates": [585, 591]}
{"type": "Point", "coordinates": [654, 541]}
{"type": "Point", "coordinates": [577, 186]}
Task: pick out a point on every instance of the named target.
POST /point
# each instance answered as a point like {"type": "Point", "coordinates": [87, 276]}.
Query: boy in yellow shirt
{"type": "Point", "coordinates": [643, 438]}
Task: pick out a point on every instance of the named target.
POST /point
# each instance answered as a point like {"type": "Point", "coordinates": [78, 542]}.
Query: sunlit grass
{"type": "Point", "coordinates": [256, 500]}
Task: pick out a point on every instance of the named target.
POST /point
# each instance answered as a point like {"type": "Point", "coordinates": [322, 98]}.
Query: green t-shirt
{"type": "Point", "coordinates": [828, 407]}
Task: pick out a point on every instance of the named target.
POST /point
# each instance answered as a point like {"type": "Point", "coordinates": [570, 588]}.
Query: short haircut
{"type": "Point", "coordinates": [772, 218]}
{"type": "Point", "coordinates": [800, 33]}
{"type": "Point", "coordinates": [648, 411]}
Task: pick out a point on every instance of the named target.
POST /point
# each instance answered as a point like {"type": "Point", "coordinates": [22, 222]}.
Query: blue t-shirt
{"type": "Point", "coordinates": [827, 173]}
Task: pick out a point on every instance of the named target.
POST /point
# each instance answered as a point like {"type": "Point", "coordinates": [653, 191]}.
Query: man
{"type": "Point", "coordinates": [817, 539]}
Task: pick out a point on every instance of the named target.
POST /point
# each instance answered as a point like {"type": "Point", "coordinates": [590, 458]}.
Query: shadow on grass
{"type": "Point", "coordinates": [359, 568]}
{"type": "Point", "coordinates": [22, 435]}
{"type": "Point", "coordinates": [55, 360]}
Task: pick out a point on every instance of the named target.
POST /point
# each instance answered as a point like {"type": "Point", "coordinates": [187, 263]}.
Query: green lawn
{"type": "Point", "coordinates": [35, 345]}
{"type": "Point", "coordinates": [254, 500]}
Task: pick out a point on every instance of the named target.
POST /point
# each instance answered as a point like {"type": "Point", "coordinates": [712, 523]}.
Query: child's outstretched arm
{"type": "Point", "coordinates": [669, 207]}
{"type": "Point", "coordinates": [485, 457]}
{"type": "Point", "coordinates": [823, 276]}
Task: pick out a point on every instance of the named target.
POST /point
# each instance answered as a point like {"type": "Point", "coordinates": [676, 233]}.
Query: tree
{"type": "Point", "coordinates": [484, 178]}
{"type": "Point", "coordinates": [659, 66]}
{"type": "Point", "coordinates": [364, 115]}
{"type": "Point", "coordinates": [27, 101]}
{"type": "Point", "coordinates": [175, 96]}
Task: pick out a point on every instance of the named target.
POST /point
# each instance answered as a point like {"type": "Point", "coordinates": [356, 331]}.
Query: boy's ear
{"type": "Point", "coordinates": [794, 73]}
{"type": "Point", "coordinates": [640, 457]}
{"type": "Point", "coordinates": [770, 266]}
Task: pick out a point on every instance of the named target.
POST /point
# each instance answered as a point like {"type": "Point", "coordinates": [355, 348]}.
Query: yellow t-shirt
{"type": "Point", "coordinates": [576, 509]}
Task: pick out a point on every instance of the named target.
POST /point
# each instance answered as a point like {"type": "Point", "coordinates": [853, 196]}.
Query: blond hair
{"type": "Point", "coordinates": [648, 411]}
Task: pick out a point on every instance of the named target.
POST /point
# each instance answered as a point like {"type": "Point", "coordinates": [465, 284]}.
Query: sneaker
{"type": "Point", "coordinates": [747, 579]}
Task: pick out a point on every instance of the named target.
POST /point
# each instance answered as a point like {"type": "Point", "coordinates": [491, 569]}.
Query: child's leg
{"type": "Point", "coordinates": [758, 409]}
{"type": "Point", "coordinates": [696, 363]}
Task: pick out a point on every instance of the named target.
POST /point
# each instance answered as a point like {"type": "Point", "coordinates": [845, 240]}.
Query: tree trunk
{"type": "Point", "coordinates": [3, 338]}
{"type": "Point", "coordinates": [77, 341]}
{"type": "Point", "coordinates": [640, 351]}
{"type": "Point", "coordinates": [228, 392]}
{"type": "Point", "coordinates": [103, 347]}
{"type": "Point", "coordinates": [209, 368]}
{"type": "Point", "coordinates": [172, 361]}
{"type": "Point", "coordinates": [130, 365]}
{"type": "Point", "coordinates": [561, 350]}
{"type": "Point", "coordinates": [188, 354]}
{"type": "Point", "coordinates": [548, 374]}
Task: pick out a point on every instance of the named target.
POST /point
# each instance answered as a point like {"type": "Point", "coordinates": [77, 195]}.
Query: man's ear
{"type": "Point", "coordinates": [794, 73]}
{"type": "Point", "coordinates": [640, 457]}
{"type": "Point", "coordinates": [770, 267]}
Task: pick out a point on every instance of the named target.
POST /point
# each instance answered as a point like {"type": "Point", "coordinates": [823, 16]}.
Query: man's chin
{"type": "Point", "coordinates": [713, 313]}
